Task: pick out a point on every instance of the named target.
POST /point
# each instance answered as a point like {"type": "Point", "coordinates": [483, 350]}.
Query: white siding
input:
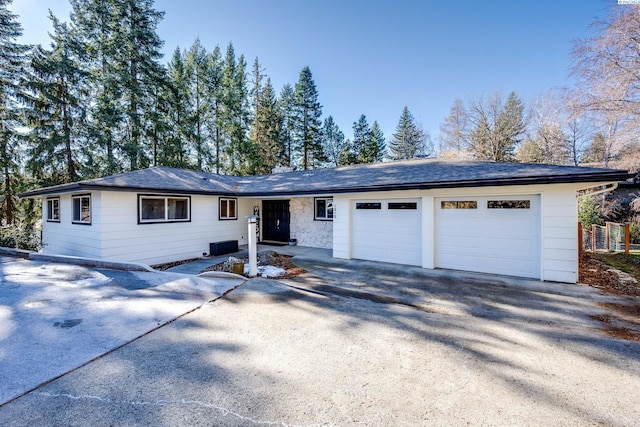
{"type": "Point", "coordinates": [126, 240]}
{"type": "Point", "coordinates": [341, 227]}
{"type": "Point", "coordinates": [428, 231]}
{"type": "Point", "coordinates": [560, 234]}
{"type": "Point", "coordinates": [66, 238]}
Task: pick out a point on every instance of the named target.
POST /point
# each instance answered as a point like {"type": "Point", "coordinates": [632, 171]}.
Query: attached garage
{"type": "Point", "coordinates": [489, 234]}
{"type": "Point", "coordinates": [387, 230]}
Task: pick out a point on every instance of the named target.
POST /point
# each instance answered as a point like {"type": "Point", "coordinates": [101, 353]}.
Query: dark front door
{"type": "Point", "coordinates": [275, 220]}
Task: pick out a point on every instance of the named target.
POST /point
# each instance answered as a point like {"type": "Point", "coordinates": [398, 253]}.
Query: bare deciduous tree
{"type": "Point", "coordinates": [454, 132]}
{"type": "Point", "coordinates": [607, 65]}
{"type": "Point", "coordinates": [496, 127]}
{"type": "Point", "coordinates": [607, 69]}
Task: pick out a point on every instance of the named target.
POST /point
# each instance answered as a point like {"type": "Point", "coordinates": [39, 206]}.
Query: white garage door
{"type": "Point", "coordinates": [489, 234]}
{"type": "Point", "coordinates": [387, 230]}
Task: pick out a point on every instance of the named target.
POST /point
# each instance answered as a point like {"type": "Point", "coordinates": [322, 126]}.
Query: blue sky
{"type": "Point", "coordinates": [374, 57]}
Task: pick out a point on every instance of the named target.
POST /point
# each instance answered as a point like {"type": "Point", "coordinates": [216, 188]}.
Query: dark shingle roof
{"type": "Point", "coordinates": [413, 174]}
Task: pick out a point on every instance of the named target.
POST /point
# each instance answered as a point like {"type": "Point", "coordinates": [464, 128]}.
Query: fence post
{"type": "Point", "coordinates": [607, 235]}
{"type": "Point", "coordinates": [593, 237]}
{"type": "Point", "coordinates": [627, 238]}
{"type": "Point", "coordinates": [579, 238]}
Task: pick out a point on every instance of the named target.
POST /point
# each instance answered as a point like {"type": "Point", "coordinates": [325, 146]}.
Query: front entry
{"type": "Point", "coordinates": [275, 220]}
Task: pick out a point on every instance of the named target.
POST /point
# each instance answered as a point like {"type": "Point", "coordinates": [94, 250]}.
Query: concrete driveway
{"type": "Point", "coordinates": [56, 317]}
{"type": "Point", "coordinates": [456, 350]}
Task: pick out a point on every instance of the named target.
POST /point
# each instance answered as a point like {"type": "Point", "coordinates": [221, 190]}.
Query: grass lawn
{"type": "Point", "coordinates": [630, 264]}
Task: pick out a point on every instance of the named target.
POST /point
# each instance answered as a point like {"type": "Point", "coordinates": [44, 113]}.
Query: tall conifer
{"type": "Point", "coordinates": [307, 122]}
{"type": "Point", "coordinates": [409, 140]}
{"type": "Point", "coordinates": [58, 101]}
{"type": "Point", "coordinates": [12, 61]}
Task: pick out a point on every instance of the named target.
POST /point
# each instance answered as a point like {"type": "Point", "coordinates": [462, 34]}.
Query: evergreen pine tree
{"type": "Point", "coordinates": [58, 103]}
{"type": "Point", "coordinates": [246, 149]}
{"type": "Point", "coordinates": [12, 61]}
{"type": "Point", "coordinates": [307, 122]}
{"type": "Point", "coordinates": [140, 72]}
{"type": "Point", "coordinates": [286, 106]}
{"type": "Point", "coordinates": [333, 141]}
{"type": "Point", "coordinates": [236, 113]}
{"type": "Point", "coordinates": [92, 28]}
{"type": "Point", "coordinates": [174, 148]}
{"type": "Point", "coordinates": [409, 139]}
{"type": "Point", "coordinates": [361, 140]}
{"type": "Point", "coordinates": [215, 119]}
{"type": "Point", "coordinates": [256, 92]}
{"type": "Point", "coordinates": [196, 67]}
{"type": "Point", "coordinates": [378, 145]}
{"type": "Point", "coordinates": [510, 129]}
{"type": "Point", "coordinates": [347, 156]}
{"type": "Point", "coordinates": [268, 141]}
{"type": "Point", "coordinates": [120, 37]}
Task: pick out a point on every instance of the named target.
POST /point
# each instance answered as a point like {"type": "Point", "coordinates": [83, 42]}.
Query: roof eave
{"type": "Point", "coordinates": [76, 187]}
{"type": "Point", "coordinates": [563, 179]}
{"type": "Point", "coordinates": [551, 179]}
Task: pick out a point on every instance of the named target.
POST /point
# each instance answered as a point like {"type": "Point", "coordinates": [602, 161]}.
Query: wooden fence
{"type": "Point", "coordinates": [611, 237]}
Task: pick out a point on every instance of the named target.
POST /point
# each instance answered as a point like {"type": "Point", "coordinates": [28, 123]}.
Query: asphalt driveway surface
{"type": "Point", "coordinates": [271, 354]}
{"type": "Point", "coordinates": [56, 317]}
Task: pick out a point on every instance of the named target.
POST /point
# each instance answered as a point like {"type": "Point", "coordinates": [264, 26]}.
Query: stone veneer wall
{"type": "Point", "coordinates": [315, 234]}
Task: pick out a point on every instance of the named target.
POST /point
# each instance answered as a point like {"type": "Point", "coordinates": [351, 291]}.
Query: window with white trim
{"type": "Point", "coordinates": [53, 209]}
{"type": "Point", "coordinates": [323, 209]}
{"type": "Point", "coordinates": [228, 208]}
{"type": "Point", "coordinates": [81, 209]}
{"type": "Point", "coordinates": [163, 209]}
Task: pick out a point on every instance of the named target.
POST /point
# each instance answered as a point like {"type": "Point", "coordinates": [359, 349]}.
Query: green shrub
{"type": "Point", "coordinates": [20, 237]}
{"type": "Point", "coordinates": [589, 212]}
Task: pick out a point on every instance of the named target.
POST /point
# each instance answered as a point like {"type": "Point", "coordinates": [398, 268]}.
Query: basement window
{"type": "Point", "coordinates": [509, 204]}
{"type": "Point", "coordinates": [228, 208]}
{"type": "Point", "coordinates": [323, 209]}
{"type": "Point", "coordinates": [153, 209]}
{"type": "Point", "coordinates": [81, 209]}
{"type": "Point", "coordinates": [459, 204]}
{"type": "Point", "coordinates": [368, 205]}
{"type": "Point", "coordinates": [53, 209]}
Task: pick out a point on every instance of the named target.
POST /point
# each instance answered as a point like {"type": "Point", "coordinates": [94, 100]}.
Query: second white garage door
{"type": "Point", "coordinates": [489, 234]}
{"type": "Point", "coordinates": [387, 230]}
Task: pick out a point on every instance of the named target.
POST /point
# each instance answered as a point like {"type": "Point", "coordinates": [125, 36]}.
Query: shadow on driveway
{"type": "Point", "coordinates": [478, 350]}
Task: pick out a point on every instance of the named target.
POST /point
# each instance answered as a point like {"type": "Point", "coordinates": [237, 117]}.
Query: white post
{"type": "Point", "coordinates": [253, 246]}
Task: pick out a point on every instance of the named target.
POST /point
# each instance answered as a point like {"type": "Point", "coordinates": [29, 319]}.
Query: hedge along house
{"type": "Point", "coordinates": [503, 218]}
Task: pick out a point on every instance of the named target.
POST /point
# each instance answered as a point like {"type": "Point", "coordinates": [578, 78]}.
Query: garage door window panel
{"type": "Point", "coordinates": [368, 205]}
{"type": "Point", "coordinates": [509, 204]}
{"type": "Point", "coordinates": [459, 204]}
{"type": "Point", "coordinates": [402, 206]}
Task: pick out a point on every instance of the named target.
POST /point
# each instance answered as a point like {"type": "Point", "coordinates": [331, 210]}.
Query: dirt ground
{"type": "Point", "coordinates": [620, 321]}
{"type": "Point", "coordinates": [274, 259]}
